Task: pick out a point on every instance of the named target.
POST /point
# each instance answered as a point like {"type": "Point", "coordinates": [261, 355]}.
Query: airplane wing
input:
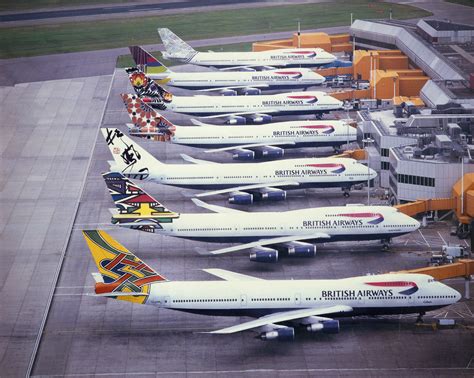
{"type": "Point", "coordinates": [284, 316]}
{"type": "Point", "coordinates": [248, 187]}
{"type": "Point", "coordinates": [215, 208]}
{"type": "Point", "coordinates": [263, 242]}
{"type": "Point", "coordinates": [250, 146]}
{"type": "Point", "coordinates": [196, 161]}
{"type": "Point", "coordinates": [271, 111]}
{"type": "Point", "coordinates": [231, 276]}
{"type": "Point", "coordinates": [233, 87]}
{"type": "Point", "coordinates": [250, 67]}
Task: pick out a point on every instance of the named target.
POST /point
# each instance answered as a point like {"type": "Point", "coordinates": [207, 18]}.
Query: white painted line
{"type": "Point", "coordinates": [444, 241]}
{"type": "Point", "coordinates": [428, 244]}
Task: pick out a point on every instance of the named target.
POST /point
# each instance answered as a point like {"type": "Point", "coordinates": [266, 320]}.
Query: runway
{"type": "Point", "coordinates": [85, 335]}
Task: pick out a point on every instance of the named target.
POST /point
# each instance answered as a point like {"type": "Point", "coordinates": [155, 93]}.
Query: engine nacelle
{"type": "Point", "coordinates": [300, 249]}
{"type": "Point", "coordinates": [266, 255]}
{"type": "Point", "coordinates": [236, 120]}
{"type": "Point", "coordinates": [241, 198]}
{"type": "Point", "coordinates": [243, 154]}
{"type": "Point", "coordinates": [283, 334]}
{"type": "Point", "coordinates": [251, 91]}
{"type": "Point", "coordinates": [228, 92]}
{"type": "Point", "coordinates": [261, 118]}
{"type": "Point", "coordinates": [273, 194]}
{"type": "Point", "coordinates": [269, 152]}
{"type": "Point", "coordinates": [327, 326]}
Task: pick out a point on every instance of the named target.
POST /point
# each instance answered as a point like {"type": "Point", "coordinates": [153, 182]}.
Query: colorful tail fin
{"type": "Point", "coordinates": [150, 65]}
{"type": "Point", "coordinates": [135, 208]}
{"type": "Point", "coordinates": [129, 158]}
{"type": "Point", "coordinates": [147, 89]}
{"type": "Point", "coordinates": [175, 47]}
{"type": "Point", "coordinates": [122, 275]}
{"type": "Point", "coordinates": [147, 123]}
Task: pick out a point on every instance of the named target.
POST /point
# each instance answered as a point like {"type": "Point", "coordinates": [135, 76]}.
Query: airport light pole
{"type": "Point", "coordinates": [462, 184]}
{"type": "Point", "coordinates": [367, 142]}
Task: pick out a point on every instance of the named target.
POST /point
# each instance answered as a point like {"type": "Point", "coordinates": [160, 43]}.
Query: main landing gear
{"type": "Point", "coordinates": [386, 244]}
{"type": "Point", "coordinates": [419, 319]}
{"type": "Point", "coordinates": [346, 192]}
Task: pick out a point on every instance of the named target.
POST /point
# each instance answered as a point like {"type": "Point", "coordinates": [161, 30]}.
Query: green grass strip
{"type": "Point", "coordinates": [98, 35]}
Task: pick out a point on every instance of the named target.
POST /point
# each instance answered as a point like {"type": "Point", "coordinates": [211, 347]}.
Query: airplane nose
{"type": "Point", "coordinates": [372, 173]}
{"type": "Point", "coordinates": [416, 224]}
{"type": "Point", "coordinates": [457, 295]}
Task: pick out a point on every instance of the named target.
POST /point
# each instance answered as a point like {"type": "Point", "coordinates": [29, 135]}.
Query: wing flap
{"type": "Point", "coordinates": [231, 276]}
{"type": "Point", "coordinates": [263, 242]}
{"type": "Point", "coordinates": [250, 146]}
{"type": "Point", "coordinates": [248, 187]}
{"type": "Point", "coordinates": [216, 208]}
{"type": "Point", "coordinates": [283, 317]}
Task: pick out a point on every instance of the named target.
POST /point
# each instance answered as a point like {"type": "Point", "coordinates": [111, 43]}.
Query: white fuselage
{"type": "Point", "coordinates": [271, 79]}
{"type": "Point", "coordinates": [310, 102]}
{"type": "Point", "coordinates": [368, 295]}
{"type": "Point", "coordinates": [294, 57]}
{"type": "Point", "coordinates": [312, 172]}
{"type": "Point", "coordinates": [282, 134]}
{"type": "Point", "coordinates": [339, 222]}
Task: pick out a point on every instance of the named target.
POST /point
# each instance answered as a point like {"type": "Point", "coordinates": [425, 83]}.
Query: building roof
{"type": "Point", "coordinates": [447, 26]}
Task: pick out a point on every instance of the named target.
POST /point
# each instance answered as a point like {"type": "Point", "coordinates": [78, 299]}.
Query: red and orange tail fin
{"type": "Point", "coordinates": [124, 275]}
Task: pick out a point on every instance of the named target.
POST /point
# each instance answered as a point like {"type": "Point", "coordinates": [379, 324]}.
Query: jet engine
{"type": "Point", "coordinates": [251, 91]}
{"type": "Point", "coordinates": [284, 334]}
{"type": "Point", "coordinates": [263, 254]}
{"type": "Point", "coordinates": [300, 249]}
{"type": "Point", "coordinates": [241, 198]}
{"type": "Point", "coordinates": [272, 194]}
{"type": "Point", "coordinates": [261, 118]}
{"type": "Point", "coordinates": [269, 152]}
{"type": "Point", "coordinates": [228, 92]}
{"type": "Point", "coordinates": [236, 120]}
{"type": "Point", "coordinates": [327, 326]}
{"type": "Point", "coordinates": [243, 154]}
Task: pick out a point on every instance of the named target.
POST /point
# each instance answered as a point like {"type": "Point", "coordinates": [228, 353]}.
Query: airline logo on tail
{"type": "Point", "coordinates": [148, 89]}
{"type": "Point", "coordinates": [136, 208]}
{"type": "Point", "coordinates": [412, 286]}
{"type": "Point", "coordinates": [146, 120]}
{"type": "Point", "coordinates": [122, 272]}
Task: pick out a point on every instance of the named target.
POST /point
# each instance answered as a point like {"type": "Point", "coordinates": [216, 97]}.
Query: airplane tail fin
{"type": "Point", "coordinates": [148, 90]}
{"type": "Point", "coordinates": [129, 158]}
{"type": "Point", "coordinates": [150, 65]}
{"type": "Point", "coordinates": [134, 207]}
{"type": "Point", "coordinates": [122, 275]}
{"type": "Point", "coordinates": [175, 47]}
{"type": "Point", "coordinates": [147, 123]}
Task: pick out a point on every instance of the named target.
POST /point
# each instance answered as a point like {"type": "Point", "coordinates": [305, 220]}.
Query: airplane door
{"type": "Point", "coordinates": [243, 300]}
{"type": "Point", "coordinates": [163, 301]}
{"type": "Point", "coordinates": [297, 299]}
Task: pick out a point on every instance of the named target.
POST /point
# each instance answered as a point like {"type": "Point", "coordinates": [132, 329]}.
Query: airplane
{"type": "Point", "coordinates": [233, 109]}
{"type": "Point", "coordinates": [245, 142]}
{"type": "Point", "coordinates": [245, 182]}
{"type": "Point", "coordinates": [179, 50]}
{"type": "Point", "coordinates": [269, 234]}
{"type": "Point", "coordinates": [278, 306]}
{"type": "Point", "coordinates": [225, 83]}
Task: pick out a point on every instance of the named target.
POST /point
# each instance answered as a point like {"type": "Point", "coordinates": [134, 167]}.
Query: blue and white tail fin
{"type": "Point", "coordinates": [148, 90]}
{"type": "Point", "coordinates": [129, 158]}
{"type": "Point", "coordinates": [135, 208]}
{"type": "Point", "coordinates": [175, 47]}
